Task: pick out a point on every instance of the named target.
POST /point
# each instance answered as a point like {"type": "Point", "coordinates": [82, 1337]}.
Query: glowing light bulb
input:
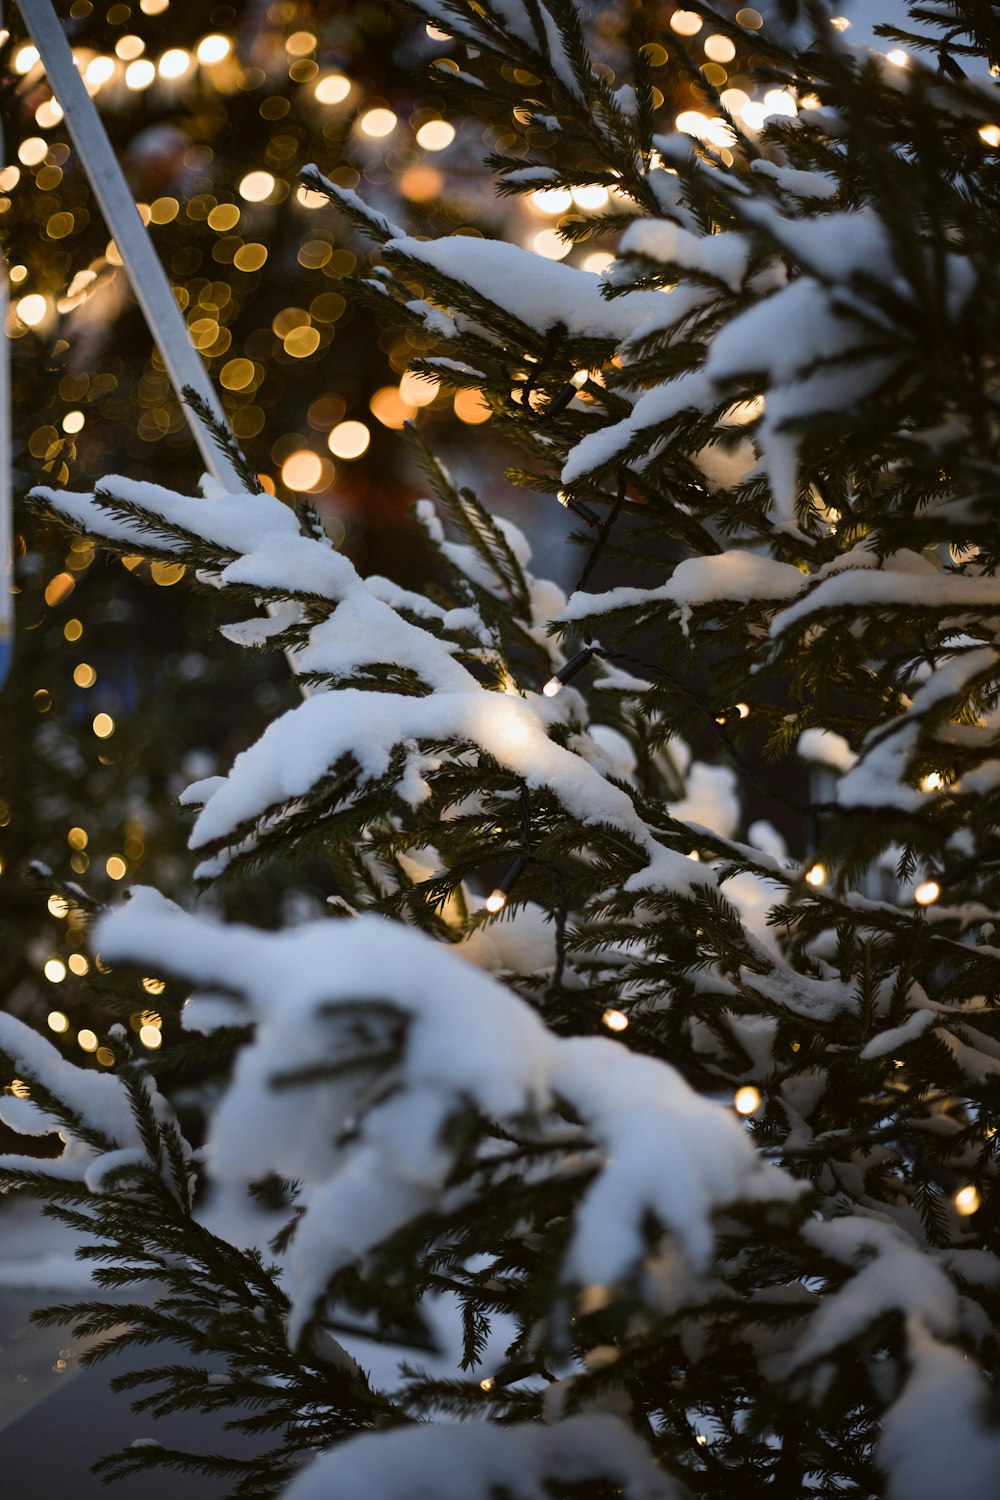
{"type": "Point", "coordinates": [214, 48]}
{"type": "Point", "coordinates": [552, 688]}
{"type": "Point", "coordinates": [25, 59]}
{"type": "Point", "coordinates": [435, 135]}
{"type": "Point", "coordinates": [139, 75]}
{"type": "Point", "coordinates": [99, 70]}
{"type": "Point", "coordinates": [496, 901]}
{"type": "Point", "coordinates": [87, 1040]}
{"type": "Point", "coordinates": [615, 1020]}
{"type": "Point", "coordinates": [550, 244]}
{"type": "Point", "coordinates": [551, 200]}
{"type": "Point", "coordinates": [932, 782]}
{"type": "Point", "coordinates": [967, 1200]}
{"type": "Point", "coordinates": [487, 1384]}
{"type": "Point", "coordinates": [898, 58]}
{"type": "Point", "coordinates": [927, 893]}
{"type": "Point", "coordinates": [816, 876]}
{"type": "Point", "coordinates": [333, 89]}
{"type": "Point", "coordinates": [746, 1099]}
{"type": "Point", "coordinates": [57, 1021]}
{"type": "Point", "coordinates": [349, 440]}
{"type": "Point", "coordinates": [377, 123]}
{"type": "Point", "coordinates": [174, 63]}
{"type": "Point", "coordinates": [990, 135]}
{"type": "Point", "coordinates": [256, 186]}
{"type": "Point", "coordinates": [55, 971]}
{"type": "Point", "coordinates": [686, 22]}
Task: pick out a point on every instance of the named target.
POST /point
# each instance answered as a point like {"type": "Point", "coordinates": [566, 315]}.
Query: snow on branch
{"type": "Point", "coordinates": [377, 1157]}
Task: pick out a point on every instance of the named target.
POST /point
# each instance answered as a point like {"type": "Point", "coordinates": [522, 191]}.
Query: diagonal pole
{"type": "Point", "coordinates": [142, 264]}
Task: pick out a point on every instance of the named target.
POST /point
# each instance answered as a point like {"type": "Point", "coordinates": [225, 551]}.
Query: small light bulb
{"type": "Point", "coordinates": [496, 901]}
{"type": "Point", "coordinates": [615, 1020]}
{"type": "Point", "coordinates": [967, 1200]}
{"type": "Point", "coordinates": [932, 782]}
{"type": "Point", "coordinates": [816, 876]}
{"type": "Point", "coordinates": [487, 1384]}
{"type": "Point", "coordinates": [552, 688]}
{"type": "Point", "coordinates": [898, 58]}
{"type": "Point", "coordinates": [746, 1099]}
{"type": "Point", "coordinates": [743, 709]}
{"type": "Point", "coordinates": [580, 378]}
{"type": "Point", "coordinates": [927, 893]}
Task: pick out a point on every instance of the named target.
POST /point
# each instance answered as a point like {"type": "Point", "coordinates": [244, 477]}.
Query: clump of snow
{"type": "Point", "coordinates": [663, 1151]}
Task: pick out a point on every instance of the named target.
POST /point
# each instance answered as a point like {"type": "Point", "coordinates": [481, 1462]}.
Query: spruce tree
{"type": "Point", "coordinates": [684, 1129]}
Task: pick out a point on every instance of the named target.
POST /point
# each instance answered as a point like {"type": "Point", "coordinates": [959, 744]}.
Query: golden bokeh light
{"type": "Point", "coordinates": [349, 439]}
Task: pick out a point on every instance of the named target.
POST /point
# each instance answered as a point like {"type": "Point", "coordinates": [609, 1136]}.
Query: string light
{"type": "Point", "coordinates": [927, 893]}
{"type": "Point", "coordinates": [435, 135]}
{"type": "Point", "coordinates": [487, 1384]}
{"type": "Point", "coordinates": [333, 89]}
{"type": "Point", "coordinates": [378, 123]}
{"type": "Point", "coordinates": [746, 1099]}
{"type": "Point", "coordinates": [214, 48]}
{"type": "Point", "coordinates": [967, 1200]}
{"type": "Point", "coordinates": [615, 1020]}
{"type": "Point", "coordinates": [57, 1021]}
{"type": "Point", "coordinates": [499, 896]}
{"type": "Point", "coordinates": [174, 63]}
{"type": "Point", "coordinates": [816, 875]}
{"type": "Point", "coordinates": [86, 1039]}
{"type": "Point", "coordinates": [55, 970]}
{"type": "Point", "coordinates": [58, 905]}
{"type": "Point", "coordinates": [565, 674]}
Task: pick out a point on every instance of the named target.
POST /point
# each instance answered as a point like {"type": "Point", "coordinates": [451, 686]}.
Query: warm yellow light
{"type": "Point", "coordinates": [743, 709]}
{"type": "Point", "coordinates": [598, 261]}
{"type": "Point", "coordinates": [779, 102]}
{"type": "Point", "coordinates": [487, 1384]}
{"type": "Point", "coordinates": [153, 986]}
{"type": "Point", "coordinates": [816, 875]}
{"type": "Point", "coordinates": [302, 470]}
{"type": "Point", "coordinates": [20, 1089]}
{"type": "Point", "coordinates": [32, 309]}
{"type": "Point", "coordinates": [153, 7]}
{"type": "Point", "coordinates": [377, 123]}
{"type": "Point", "coordinates": [128, 48]}
{"type": "Point", "coordinates": [435, 135]}
{"type": "Point", "coordinates": [103, 726]}
{"type": "Point", "coordinates": [551, 200]}
{"type": "Point", "coordinates": [48, 113]}
{"type": "Point", "coordinates": [99, 70]}
{"type": "Point", "coordinates": [84, 675]}
{"type": "Point", "coordinates": [389, 408]}
{"type": "Point", "coordinates": [300, 44]}
{"type": "Point", "coordinates": [166, 574]}
{"type": "Point", "coordinates": [685, 22]}
{"type": "Point", "coordinates": [57, 1021]}
{"type": "Point", "coordinates": [174, 63]}
{"type": "Point", "coordinates": [691, 122]}
{"type": "Point", "coordinates": [32, 150]}
{"type": "Point", "coordinates": [590, 198]}
{"type": "Point", "coordinates": [77, 964]}
{"type": "Point", "coordinates": [898, 58]}
{"type": "Point", "coordinates": [990, 134]}
{"type": "Point", "coordinates": [719, 49]}
{"type": "Point", "coordinates": [552, 688]}
{"type": "Point", "coordinates": [139, 75]}
{"type": "Point", "coordinates": [349, 440]}
{"type": "Point", "coordinates": [933, 782]}
{"type": "Point", "coordinates": [496, 901]}
{"type": "Point", "coordinates": [150, 1036]}
{"type": "Point", "coordinates": [25, 59]}
{"type": "Point", "coordinates": [550, 244]}
{"type": "Point", "coordinates": [839, 23]}
{"type": "Point", "coordinates": [214, 48]}
{"type": "Point", "coordinates": [58, 905]}
{"type": "Point", "coordinates": [967, 1200]}
{"type": "Point", "coordinates": [471, 408]}
{"type": "Point", "coordinates": [115, 867]}
{"type": "Point", "coordinates": [746, 1099]}
{"type": "Point", "coordinates": [302, 341]}
{"type": "Point", "coordinates": [615, 1020]}
{"type": "Point", "coordinates": [333, 89]}
{"type": "Point", "coordinates": [750, 18]}
{"type": "Point", "coordinates": [87, 1040]}
{"type": "Point", "coordinates": [77, 838]}
{"type": "Point", "coordinates": [256, 186]}
{"type": "Point", "coordinates": [927, 893]}
{"type": "Point", "coordinates": [55, 970]}
{"type": "Point", "coordinates": [9, 179]}
{"type": "Point", "coordinates": [73, 421]}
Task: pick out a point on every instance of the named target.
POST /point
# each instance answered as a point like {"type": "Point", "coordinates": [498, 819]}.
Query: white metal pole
{"type": "Point", "coordinates": [6, 477]}
{"type": "Point", "coordinates": [142, 264]}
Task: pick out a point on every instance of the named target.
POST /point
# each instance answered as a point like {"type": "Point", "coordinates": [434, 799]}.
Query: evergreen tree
{"type": "Point", "coordinates": [692, 1138]}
